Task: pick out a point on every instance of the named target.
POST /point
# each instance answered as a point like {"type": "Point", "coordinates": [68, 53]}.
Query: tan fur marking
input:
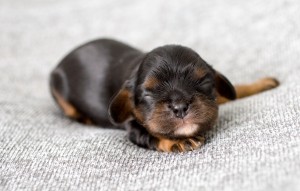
{"type": "Point", "coordinates": [156, 120]}
{"type": "Point", "coordinates": [151, 82]}
{"type": "Point", "coordinates": [183, 145]}
{"type": "Point", "coordinates": [138, 115]}
{"type": "Point", "coordinates": [121, 107]}
{"type": "Point", "coordinates": [221, 99]}
{"type": "Point", "coordinates": [166, 145]}
{"type": "Point", "coordinates": [256, 87]}
{"type": "Point", "coordinates": [200, 73]}
{"type": "Point", "coordinates": [68, 109]}
{"type": "Point", "coordinates": [124, 98]}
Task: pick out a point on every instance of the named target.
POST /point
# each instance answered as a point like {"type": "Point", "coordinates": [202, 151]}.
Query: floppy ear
{"type": "Point", "coordinates": [121, 106]}
{"type": "Point", "coordinates": [224, 86]}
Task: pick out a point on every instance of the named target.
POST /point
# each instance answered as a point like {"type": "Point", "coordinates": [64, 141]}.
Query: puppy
{"type": "Point", "coordinates": [166, 99]}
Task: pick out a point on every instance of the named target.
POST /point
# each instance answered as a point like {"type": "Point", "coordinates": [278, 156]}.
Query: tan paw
{"type": "Point", "coordinates": [268, 83]}
{"type": "Point", "coordinates": [188, 144]}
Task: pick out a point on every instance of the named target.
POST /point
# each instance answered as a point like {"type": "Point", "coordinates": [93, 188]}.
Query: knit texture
{"type": "Point", "coordinates": [255, 144]}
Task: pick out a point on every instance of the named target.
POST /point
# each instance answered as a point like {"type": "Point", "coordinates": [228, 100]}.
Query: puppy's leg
{"type": "Point", "coordinates": [256, 87]}
{"type": "Point", "coordinates": [182, 145]}
{"type": "Point", "coordinates": [69, 110]}
{"type": "Point", "coordinates": [140, 136]}
{"type": "Point", "coordinates": [251, 89]}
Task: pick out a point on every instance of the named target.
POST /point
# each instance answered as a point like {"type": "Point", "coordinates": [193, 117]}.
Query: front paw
{"type": "Point", "coordinates": [183, 145]}
{"type": "Point", "coordinates": [144, 140]}
{"type": "Point", "coordinates": [139, 136]}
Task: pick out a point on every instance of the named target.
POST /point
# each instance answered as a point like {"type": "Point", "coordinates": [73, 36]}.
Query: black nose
{"type": "Point", "coordinates": [180, 109]}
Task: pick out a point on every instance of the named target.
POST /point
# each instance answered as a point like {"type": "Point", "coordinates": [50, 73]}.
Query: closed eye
{"type": "Point", "coordinates": [204, 85]}
{"type": "Point", "coordinates": [204, 81]}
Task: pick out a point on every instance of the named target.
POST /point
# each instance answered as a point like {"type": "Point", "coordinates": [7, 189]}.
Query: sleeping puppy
{"type": "Point", "coordinates": [166, 99]}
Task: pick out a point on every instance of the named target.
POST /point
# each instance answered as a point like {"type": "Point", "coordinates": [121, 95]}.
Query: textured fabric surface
{"type": "Point", "coordinates": [254, 146]}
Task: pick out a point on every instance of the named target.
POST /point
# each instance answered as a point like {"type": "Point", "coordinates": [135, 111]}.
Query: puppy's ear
{"type": "Point", "coordinates": [224, 86]}
{"type": "Point", "coordinates": [121, 106]}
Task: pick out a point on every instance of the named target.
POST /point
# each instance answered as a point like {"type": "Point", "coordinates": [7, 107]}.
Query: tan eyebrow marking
{"type": "Point", "coordinates": [200, 72]}
{"type": "Point", "coordinates": [151, 82]}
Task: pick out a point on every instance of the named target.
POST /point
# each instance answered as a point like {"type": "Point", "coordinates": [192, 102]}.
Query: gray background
{"type": "Point", "coordinates": [254, 146]}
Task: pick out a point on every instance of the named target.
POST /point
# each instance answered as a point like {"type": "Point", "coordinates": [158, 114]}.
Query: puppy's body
{"type": "Point", "coordinates": [166, 98]}
{"type": "Point", "coordinates": [91, 75]}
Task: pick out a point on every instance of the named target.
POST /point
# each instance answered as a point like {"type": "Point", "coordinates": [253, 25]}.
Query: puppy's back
{"type": "Point", "coordinates": [85, 80]}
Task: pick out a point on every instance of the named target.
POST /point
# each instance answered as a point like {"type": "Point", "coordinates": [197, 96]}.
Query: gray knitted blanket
{"type": "Point", "coordinates": [254, 146]}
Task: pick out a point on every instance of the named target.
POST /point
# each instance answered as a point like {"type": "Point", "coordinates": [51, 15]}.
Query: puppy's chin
{"type": "Point", "coordinates": [186, 129]}
{"type": "Point", "coordinates": [177, 128]}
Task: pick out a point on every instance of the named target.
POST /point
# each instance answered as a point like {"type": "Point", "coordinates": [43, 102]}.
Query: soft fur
{"type": "Point", "coordinates": [166, 98]}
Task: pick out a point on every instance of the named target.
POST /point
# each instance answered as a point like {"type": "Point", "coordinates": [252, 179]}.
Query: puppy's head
{"type": "Point", "coordinates": [173, 94]}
